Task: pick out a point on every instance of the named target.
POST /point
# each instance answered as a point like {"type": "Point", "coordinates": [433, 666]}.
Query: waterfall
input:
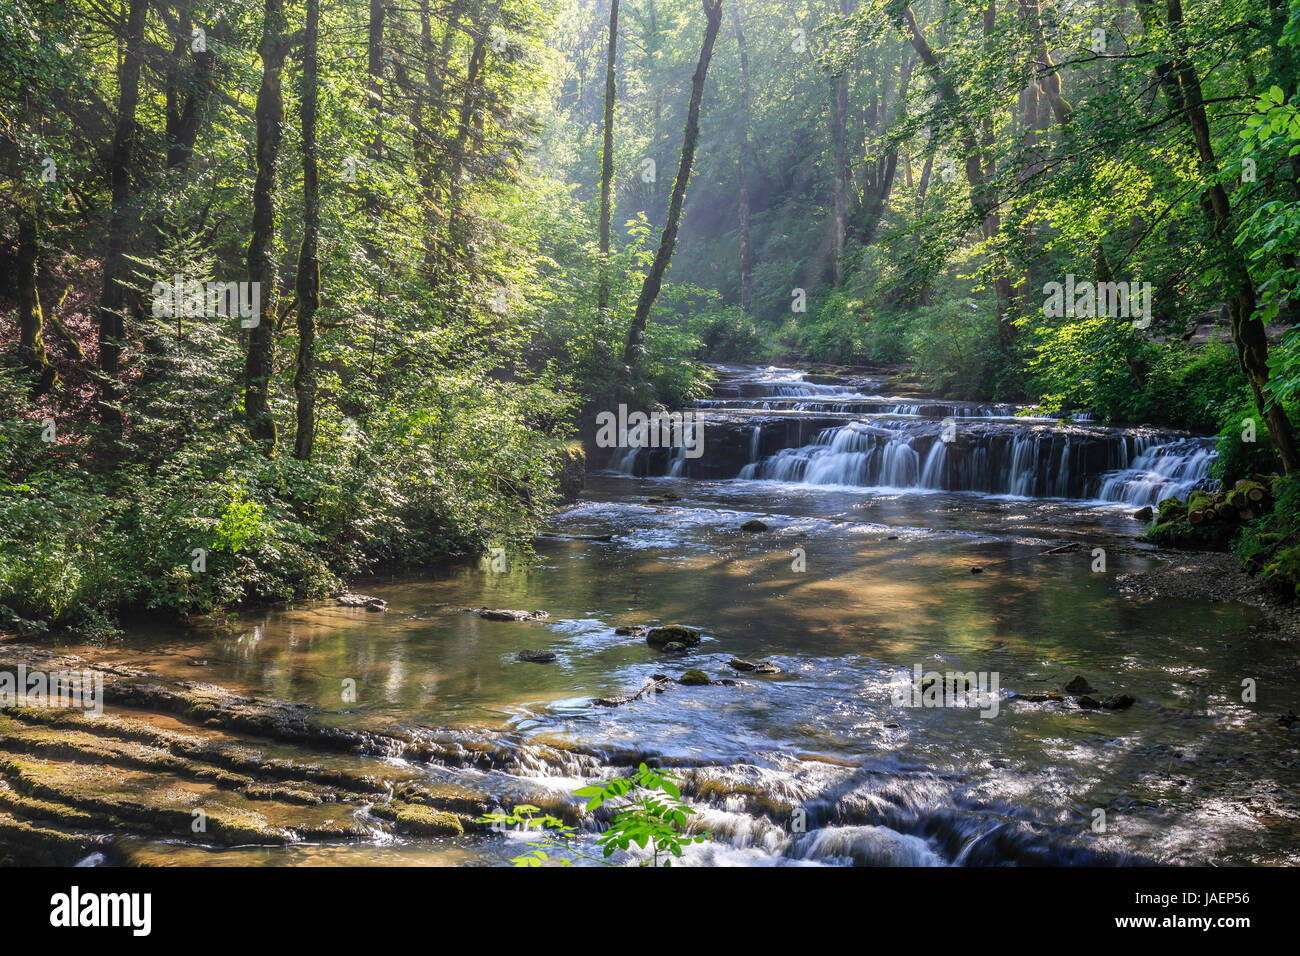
{"type": "Point", "coordinates": [1160, 470]}
{"type": "Point", "coordinates": [869, 441]}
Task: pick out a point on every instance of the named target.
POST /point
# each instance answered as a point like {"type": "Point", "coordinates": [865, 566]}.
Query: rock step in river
{"type": "Point", "coordinates": [774, 424]}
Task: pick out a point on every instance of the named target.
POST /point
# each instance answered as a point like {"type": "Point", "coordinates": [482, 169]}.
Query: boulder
{"type": "Point", "coordinates": [501, 614]}
{"type": "Point", "coordinates": [1079, 685]}
{"type": "Point", "coordinates": [753, 525]}
{"type": "Point", "coordinates": [694, 678]}
{"type": "Point", "coordinates": [361, 600]}
{"type": "Point", "coordinates": [536, 657]}
{"type": "Point", "coordinates": [674, 634]}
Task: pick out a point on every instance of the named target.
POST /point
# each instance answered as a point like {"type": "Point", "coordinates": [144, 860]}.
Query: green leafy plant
{"type": "Point", "coordinates": [650, 815]}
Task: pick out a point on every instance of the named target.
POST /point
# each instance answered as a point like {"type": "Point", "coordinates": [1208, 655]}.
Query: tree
{"type": "Point", "coordinates": [607, 158]}
{"type": "Point", "coordinates": [261, 247]}
{"type": "Point", "coordinates": [668, 239]}
{"type": "Point", "coordinates": [308, 279]}
{"type": "Point", "coordinates": [113, 297]}
{"type": "Point", "coordinates": [743, 163]}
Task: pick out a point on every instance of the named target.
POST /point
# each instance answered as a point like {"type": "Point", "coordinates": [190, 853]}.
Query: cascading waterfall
{"type": "Point", "coordinates": [867, 441]}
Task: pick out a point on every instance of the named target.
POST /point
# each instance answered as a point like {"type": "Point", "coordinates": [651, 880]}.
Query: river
{"type": "Point", "coordinates": [874, 524]}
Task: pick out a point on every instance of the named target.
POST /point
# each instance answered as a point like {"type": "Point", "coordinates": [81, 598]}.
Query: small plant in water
{"type": "Point", "coordinates": [652, 815]}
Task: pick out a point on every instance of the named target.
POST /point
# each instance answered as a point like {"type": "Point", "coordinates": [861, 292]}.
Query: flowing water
{"type": "Point", "coordinates": [874, 524]}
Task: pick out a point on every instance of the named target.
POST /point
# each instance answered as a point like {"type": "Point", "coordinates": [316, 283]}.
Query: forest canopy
{"type": "Point", "coordinates": [299, 290]}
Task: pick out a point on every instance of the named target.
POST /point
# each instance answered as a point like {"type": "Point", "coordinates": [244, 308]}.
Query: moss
{"type": "Point", "coordinates": [420, 820]}
{"type": "Point", "coordinates": [695, 678]}
{"type": "Point", "coordinates": [670, 633]}
{"type": "Point", "coordinates": [28, 844]}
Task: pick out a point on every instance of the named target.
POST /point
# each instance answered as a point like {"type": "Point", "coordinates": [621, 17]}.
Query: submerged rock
{"type": "Point", "coordinates": [362, 600]}
{"type": "Point", "coordinates": [694, 678]}
{"type": "Point", "coordinates": [633, 630]}
{"type": "Point", "coordinates": [536, 657]}
{"type": "Point", "coordinates": [766, 667]}
{"type": "Point", "coordinates": [673, 633]}
{"type": "Point", "coordinates": [502, 614]}
{"type": "Point", "coordinates": [753, 525]}
{"type": "Point", "coordinates": [1144, 515]}
{"type": "Point", "coordinates": [1079, 685]}
{"type": "Point", "coordinates": [1116, 702]}
{"type": "Point", "coordinates": [674, 646]}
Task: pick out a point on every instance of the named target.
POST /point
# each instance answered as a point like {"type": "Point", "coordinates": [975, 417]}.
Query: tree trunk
{"type": "Point", "coordinates": [607, 159]}
{"type": "Point", "coordinates": [840, 167]}
{"type": "Point", "coordinates": [113, 298]}
{"type": "Point", "coordinates": [746, 277]}
{"type": "Point", "coordinates": [375, 87]}
{"type": "Point", "coordinates": [654, 279]}
{"type": "Point", "coordinates": [1247, 332]}
{"type": "Point", "coordinates": [434, 86]}
{"type": "Point", "coordinates": [31, 321]}
{"type": "Point", "coordinates": [308, 281]}
{"type": "Point", "coordinates": [261, 253]}
{"type": "Point", "coordinates": [983, 201]}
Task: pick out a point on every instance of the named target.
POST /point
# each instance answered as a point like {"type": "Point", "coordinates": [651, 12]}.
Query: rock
{"type": "Point", "coordinates": [500, 614]}
{"type": "Point", "coordinates": [753, 525]}
{"type": "Point", "coordinates": [766, 667]}
{"type": "Point", "coordinates": [1049, 697]}
{"type": "Point", "coordinates": [362, 600]}
{"type": "Point", "coordinates": [694, 678]}
{"type": "Point", "coordinates": [1287, 719]}
{"type": "Point", "coordinates": [1079, 685]}
{"type": "Point", "coordinates": [635, 630]}
{"type": "Point", "coordinates": [1144, 515]}
{"type": "Point", "coordinates": [536, 657]}
{"type": "Point", "coordinates": [573, 470]}
{"type": "Point", "coordinates": [674, 646]}
{"type": "Point", "coordinates": [1116, 702]}
{"type": "Point", "coordinates": [419, 820]}
{"type": "Point", "coordinates": [673, 633]}
{"type": "Point", "coordinates": [741, 665]}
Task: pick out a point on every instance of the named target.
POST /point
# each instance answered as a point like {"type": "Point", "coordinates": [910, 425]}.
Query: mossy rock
{"type": "Point", "coordinates": [695, 678]}
{"type": "Point", "coordinates": [753, 526]}
{"type": "Point", "coordinates": [419, 820]}
{"type": "Point", "coordinates": [672, 633]}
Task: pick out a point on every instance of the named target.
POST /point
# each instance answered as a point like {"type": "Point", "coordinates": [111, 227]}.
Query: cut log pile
{"type": "Point", "coordinates": [1210, 516]}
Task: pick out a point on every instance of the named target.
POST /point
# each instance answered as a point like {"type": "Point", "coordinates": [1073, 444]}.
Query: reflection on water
{"type": "Point", "coordinates": [1190, 773]}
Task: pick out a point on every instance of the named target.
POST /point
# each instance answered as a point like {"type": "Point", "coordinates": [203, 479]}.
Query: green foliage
{"type": "Point", "coordinates": [1270, 545]}
{"type": "Point", "coordinates": [1243, 445]}
{"type": "Point", "coordinates": [649, 814]}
